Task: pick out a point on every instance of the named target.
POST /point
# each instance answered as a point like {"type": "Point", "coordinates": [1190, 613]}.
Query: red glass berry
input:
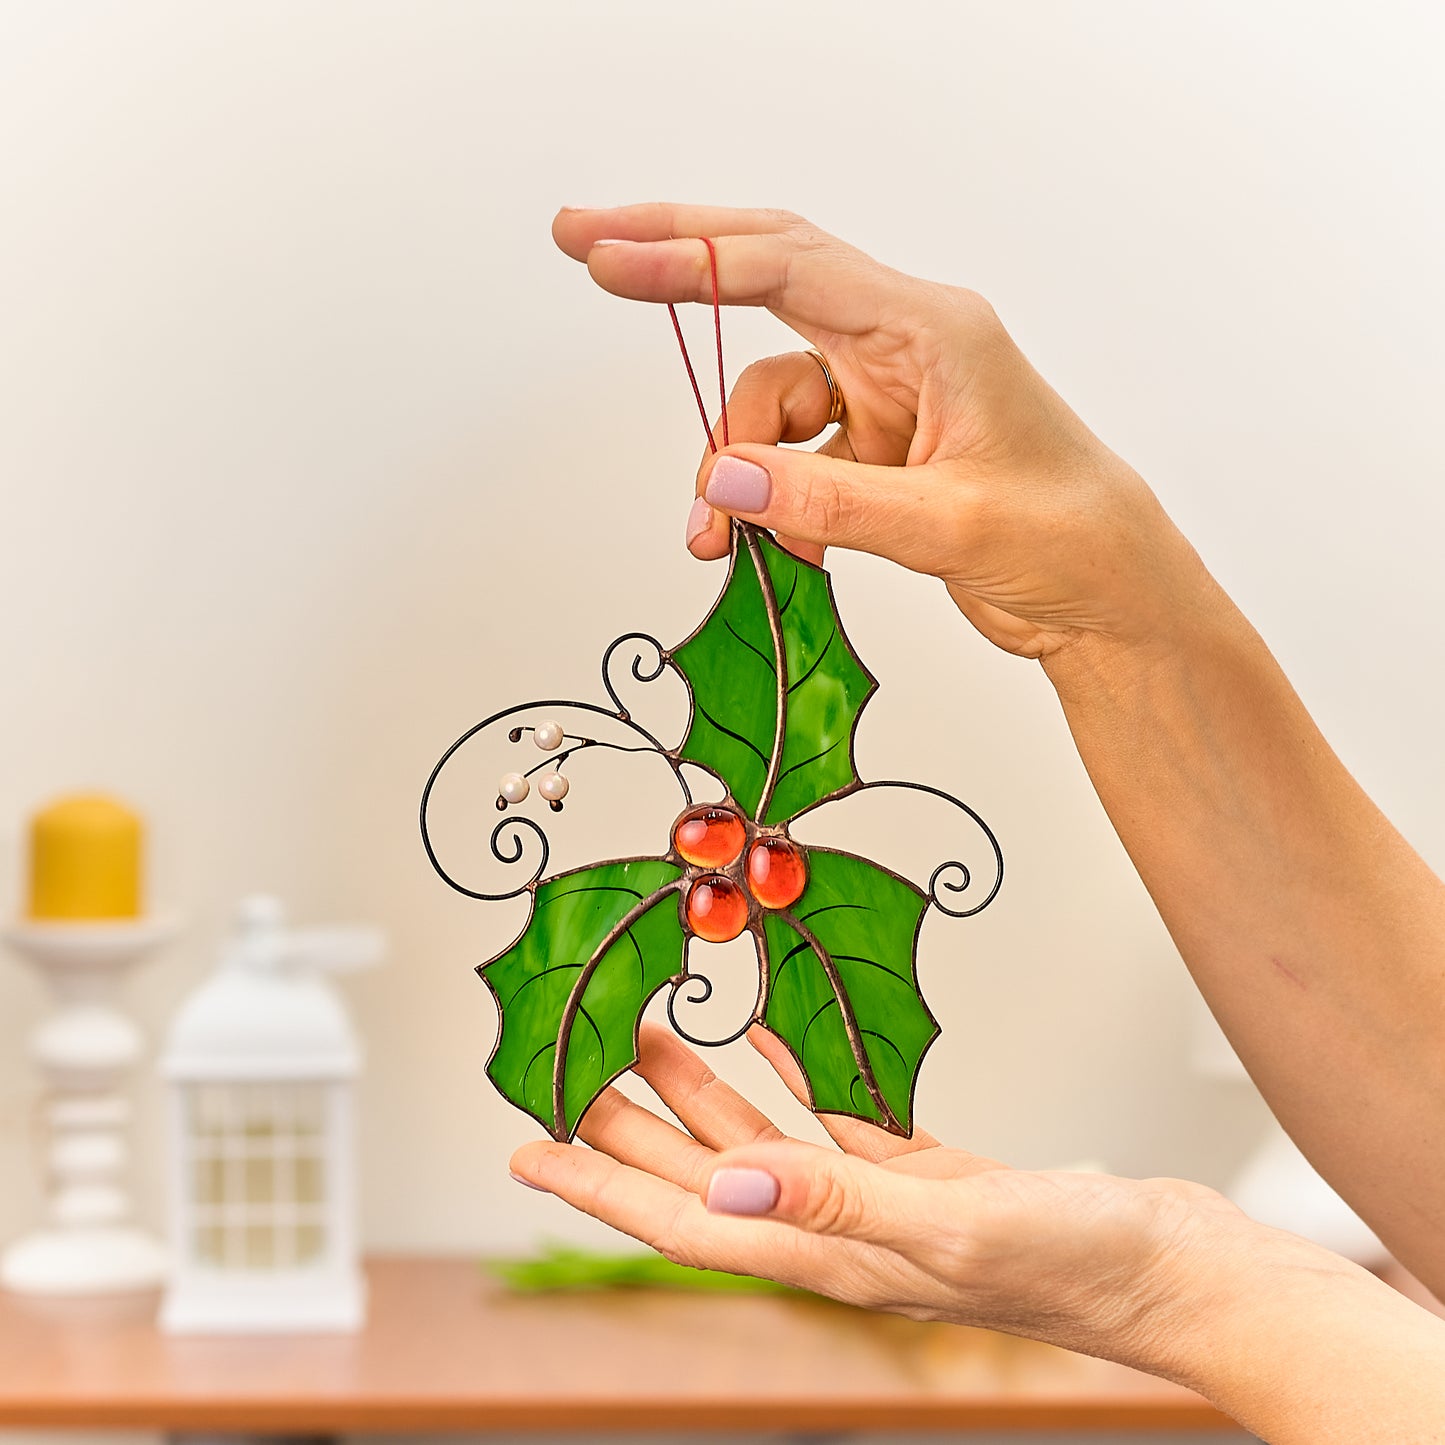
{"type": "Point", "coordinates": [709, 837]}
{"type": "Point", "coordinates": [717, 909]}
{"type": "Point", "coordinates": [777, 874]}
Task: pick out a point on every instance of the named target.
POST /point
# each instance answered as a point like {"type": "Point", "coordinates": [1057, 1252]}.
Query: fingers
{"type": "Point", "coordinates": [779, 399]}
{"type": "Point", "coordinates": [637, 1137]}
{"type": "Point", "coordinates": [715, 1114]}
{"type": "Point", "coordinates": [824, 1193]}
{"type": "Point", "coordinates": [917, 516]}
{"type": "Point", "coordinates": [751, 270]}
{"type": "Point", "coordinates": [673, 1220]}
{"type": "Point", "coordinates": [576, 229]}
{"type": "Point", "coordinates": [866, 1141]}
{"type": "Point", "coordinates": [632, 1200]}
{"type": "Point", "coordinates": [811, 280]}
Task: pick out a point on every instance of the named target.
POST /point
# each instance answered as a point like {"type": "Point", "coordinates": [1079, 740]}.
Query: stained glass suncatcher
{"type": "Point", "coordinates": [775, 692]}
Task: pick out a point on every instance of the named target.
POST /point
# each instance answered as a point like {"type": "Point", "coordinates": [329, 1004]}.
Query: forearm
{"type": "Point", "coordinates": [1303, 1348]}
{"type": "Point", "coordinates": [1314, 931]}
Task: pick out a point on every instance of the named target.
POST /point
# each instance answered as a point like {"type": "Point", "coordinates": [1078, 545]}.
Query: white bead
{"type": "Point", "coordinates": [553, 787]}
{"type": "Point", "coordinates": [514, 787]}
{"type": "Point", "coordinates": [548, 736]}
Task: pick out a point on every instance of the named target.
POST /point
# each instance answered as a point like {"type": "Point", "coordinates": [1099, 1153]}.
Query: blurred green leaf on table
{"type": "Point", "coordinates": [561, 1268]}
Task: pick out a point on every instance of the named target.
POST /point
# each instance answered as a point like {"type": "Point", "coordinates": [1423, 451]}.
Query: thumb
{"type": "Point", "coordinates": [825, 1192]}
{"type": "Point", "coordinates": [916, 516]}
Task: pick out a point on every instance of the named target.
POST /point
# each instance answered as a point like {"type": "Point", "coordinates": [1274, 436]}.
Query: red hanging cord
{"type": "Point", "coordinates": [687, 360]}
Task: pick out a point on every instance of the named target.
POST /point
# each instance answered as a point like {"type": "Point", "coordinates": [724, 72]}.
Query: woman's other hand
{"type": "Point", "coordinates": [955, 458]}
{"type": "Point", "coordinates": [1098, 1264]}
{"type": "Point", "coordinates": [1300, 1346]}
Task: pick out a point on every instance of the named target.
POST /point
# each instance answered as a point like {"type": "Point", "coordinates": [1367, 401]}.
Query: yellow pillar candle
{"type": "Point", "coordinates": [85, 859]}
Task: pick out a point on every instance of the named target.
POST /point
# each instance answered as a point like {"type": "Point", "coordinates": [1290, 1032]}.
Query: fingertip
{"type": "Point", "coordinates": [780, 1057]}
{"type": "Point", "coordinates": [766, 1042]}
{"type": "Point", "coordinates": [525, 1162]}
{"type": "Point", "coordinates": [699, 520]}
{"type": "Point", "coordinates": [613, 264]}
{"type": "Point", "coordinates": [652, 1033]}
{"type": "Point", "coordinates": [654, 1045]}
{"type": "Point", "coordinates": [710, 546]}
{"type": "Point", "coordinates": [569, 233]}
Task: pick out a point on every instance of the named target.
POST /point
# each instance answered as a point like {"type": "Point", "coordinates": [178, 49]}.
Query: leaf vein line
{"type": "Point", "coordinates": [536, 977]}
{"type": "Point", "coordinates": [527, 1072]}
{"type": "Point", "coordinates": [751, 647]}
{"type": "Point", "coordinates": [829, 907]}
{"type": "Point", "coordinates": [872, 963]}
{"type": "Point", "coordinates": [817, 1014]}
{"type": "Point", "coordinates": [816, 664]}
{"type": "Point", "coordinates": [884, 1039]}
{"type": "Point", "coordinates": [788, 957]}
{"type": "Point", "coordinates": [586, 888]}
{"type": "Point", "coordinates": [751, 746]}
{"type": "Point", "coordinates": [631, 937]}
{"type": "Point", "coordinates": [597, 1033]}
{"type": "Point", "coordinates": [808, 761]}
{"type": "Point", "coordinates": [788, 600]}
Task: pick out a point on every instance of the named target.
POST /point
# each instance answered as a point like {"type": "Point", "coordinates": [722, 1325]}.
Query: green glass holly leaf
{"type": "Point", "coordinates": [842, 991]}
{"type": "Point", "coordinates": [571, 990]}
{"type": "Point", "coordinates": [776, 686]}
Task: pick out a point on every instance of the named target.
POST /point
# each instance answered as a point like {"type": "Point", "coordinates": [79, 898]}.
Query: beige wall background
{"type": "Point", "coordinates": [314, 451]}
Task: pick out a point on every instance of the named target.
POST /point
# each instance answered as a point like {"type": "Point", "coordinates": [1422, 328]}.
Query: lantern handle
{"type": "Point", "coordinates": [262, 941]}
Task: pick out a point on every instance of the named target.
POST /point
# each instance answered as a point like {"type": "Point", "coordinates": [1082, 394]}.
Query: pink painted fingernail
{"type": "Point", "coordinates": [527, 1183]}
{"type": "Point", "coordinates": [699, 519]}
{"type": "Point", "coordinates": [742, 1191]}
{"type": "Point", "coordinates": [739, 486]}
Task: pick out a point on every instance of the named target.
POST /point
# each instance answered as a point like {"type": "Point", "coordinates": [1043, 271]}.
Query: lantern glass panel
{"type": "Point", "coordinates": [259, 1175]}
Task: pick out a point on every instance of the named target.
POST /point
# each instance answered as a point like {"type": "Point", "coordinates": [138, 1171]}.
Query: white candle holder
{"type": "Point", "coordinates": [85, 1049]}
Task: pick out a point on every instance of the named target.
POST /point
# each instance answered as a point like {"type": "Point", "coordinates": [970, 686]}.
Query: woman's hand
{"type": "Point", "coordinates": [955, 457]}
{"type": "Point", "coordinates": [1299, 1345]}
{"type": "Point", "coordinates": [1102, 1265]}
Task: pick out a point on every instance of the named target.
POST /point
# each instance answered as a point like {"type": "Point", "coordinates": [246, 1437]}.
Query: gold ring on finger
{"type": "Point", "coordinates": [837, 407]}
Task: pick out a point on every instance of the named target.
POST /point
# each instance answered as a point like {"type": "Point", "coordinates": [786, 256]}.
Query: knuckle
{"type": "Point", "coordinates": [603, 1195]}
{"type": "Point", "coordinates": [673, 1241]}
{"type": "Point", "coordinates": [766, 374]}
{"type": "Point", "coordinates": [974, 307]}
{"type": "Point", "coordinates": [833, 1204]}
{"type": "Point", "coordinates": [830, 506]}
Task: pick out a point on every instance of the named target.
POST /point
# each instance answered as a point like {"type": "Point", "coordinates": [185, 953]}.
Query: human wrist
{"type": "Point", "coordinates": [1301, 1346]}
{"type": "Point", "coordinates": [1212, 1284]}
{"type": "Point", "coordinates": [1195, 1266]}
{"type": "Point", "coordinates": [1179, 631]}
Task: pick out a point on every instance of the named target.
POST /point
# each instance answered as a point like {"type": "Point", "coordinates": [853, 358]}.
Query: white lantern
{"type": "Point", "coordinates": [261, 1062]}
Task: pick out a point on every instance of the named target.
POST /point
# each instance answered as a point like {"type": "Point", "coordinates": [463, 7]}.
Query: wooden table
{"type": "Point", "coordinates": [446, 1350]}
